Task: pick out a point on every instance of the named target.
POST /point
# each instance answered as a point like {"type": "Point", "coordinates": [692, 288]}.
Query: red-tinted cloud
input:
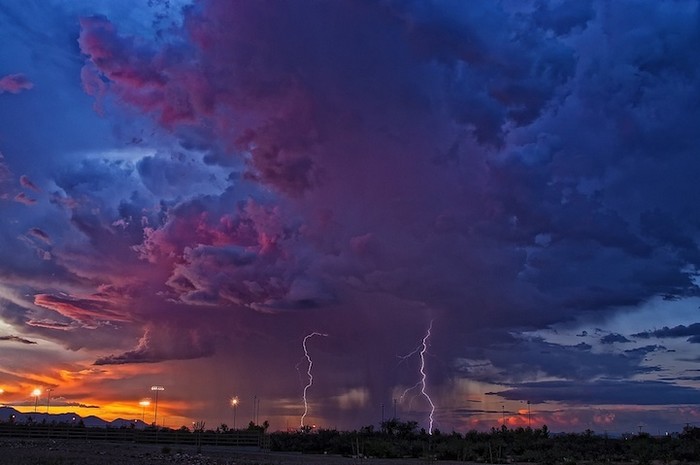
{"type": "Point", "coordinates": [280, 133]}
{"type": "Point", "coordinates": [22, 198]}
{"type": "Point", "coordinates": [28, 184]}
{"type": "Point", "coordinates": [88, 311]}
{"type": "Point", "coordinates": [15, 83]}
{"type": "Point", "coordinates": [246, 257]}
{"type": "Point", "coordinates": [50, 324]}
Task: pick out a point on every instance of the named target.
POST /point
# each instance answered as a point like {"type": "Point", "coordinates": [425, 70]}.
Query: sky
{"type": "Point", "coordinates": [486, 211]}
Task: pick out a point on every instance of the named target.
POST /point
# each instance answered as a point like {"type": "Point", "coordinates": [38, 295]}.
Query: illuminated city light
{"type": "Point", "coordinates": [156, 389]}
{"type": "Point", "coordinates": [234, 404]}
{"type": "Point", "coordinates": [144, 403]}
{"type": "Point", "coordinates": [36, 393]}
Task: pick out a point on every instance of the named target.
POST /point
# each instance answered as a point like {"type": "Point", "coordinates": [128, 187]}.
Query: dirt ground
{"type": "Point", "coordinates": [76, 452]}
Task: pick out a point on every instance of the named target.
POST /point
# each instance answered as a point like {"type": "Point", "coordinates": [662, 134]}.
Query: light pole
{"type": "Point", "coordinates": [36, 393]}
{"type": "Point", "coordinates": [528, 414]}
{"type": "Point", "coordinates": [144, 403]}
{"type": "Point", "coordinates": [255, 402]}
{"type": "Point", "coordinates": [48, 398]}
{"type": "Point", "coordinates": [234, 404]}
{"type": "Point", "coordinates": [157, 389]}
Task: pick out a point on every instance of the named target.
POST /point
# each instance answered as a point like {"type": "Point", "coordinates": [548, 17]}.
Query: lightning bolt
{"type": "Point", "coordinates": [421, 350]}
{"type": "Point", "coordinates": [308, 372]}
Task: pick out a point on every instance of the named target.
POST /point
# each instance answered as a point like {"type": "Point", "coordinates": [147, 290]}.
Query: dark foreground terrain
{"type": "Point", "coordinates": [76, 452]}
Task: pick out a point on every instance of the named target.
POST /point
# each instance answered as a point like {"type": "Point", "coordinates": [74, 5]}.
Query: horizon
{"type": "Point", "coordinates": [465, 214]}
{"type": "Point", "coordinates": [140, 424]}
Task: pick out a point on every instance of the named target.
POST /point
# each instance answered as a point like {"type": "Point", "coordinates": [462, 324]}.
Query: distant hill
{"type": "Point", "coordinates": [91, 421]}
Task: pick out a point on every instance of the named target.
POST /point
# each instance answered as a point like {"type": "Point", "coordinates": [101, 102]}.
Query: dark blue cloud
{"type": "Point", "coordinates": [522, 359]}
{"type": "Point", "coordinates": [691, 331]}
{"type": "Point", "coordinates": [604, 392]}
{"type": "Point", "coordinates": [613, 338]}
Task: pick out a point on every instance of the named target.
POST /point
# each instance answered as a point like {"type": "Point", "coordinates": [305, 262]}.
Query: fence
{"type": "Point", "coordinates": [238, 438]}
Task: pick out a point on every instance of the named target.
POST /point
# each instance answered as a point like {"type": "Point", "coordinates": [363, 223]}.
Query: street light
{"type": "Point", "coordinates": [234, 404]}
{"type": "Point", "coordinates": [48, 398]}
{"type": "Point", "coordinates": [144, 403]}
{"type": "Point", "coordinates": [36, 393]}
{"type": "Point", "coordinates": [155, 414]}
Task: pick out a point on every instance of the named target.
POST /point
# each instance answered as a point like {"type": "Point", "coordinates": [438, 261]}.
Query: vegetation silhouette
{"type": "Point", "coordinates": [403, 439]}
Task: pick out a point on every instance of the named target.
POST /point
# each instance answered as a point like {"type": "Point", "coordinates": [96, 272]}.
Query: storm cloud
{"type": "Point", "coordinates": [240, 174]}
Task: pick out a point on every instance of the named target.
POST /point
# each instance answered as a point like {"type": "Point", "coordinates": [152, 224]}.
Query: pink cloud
{"type": "Point", "coordinates": [135, 73]}
{"type": "Point", "coordinates": [27, 183]}
{"type": "Point", "coordinates": [50, 324]}
{"type": "Point", "coordinates": [15, 83]}
{"type": "Point", "coordinates": [22, 198]}
{"type": "Point", "coordinates": [256, 228]}
{"type": "Point", "coordinates": [119, 58]}
{"type": "Point", "coordinates": [250, 257]}
{"type": "Point", "coordinates": [89, 311]}
{"type": "Point", "coordinates": [194, 86]}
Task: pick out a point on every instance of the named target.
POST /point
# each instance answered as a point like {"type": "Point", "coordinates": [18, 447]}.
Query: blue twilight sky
{"type": "Point", "coordinates": [189, 188]}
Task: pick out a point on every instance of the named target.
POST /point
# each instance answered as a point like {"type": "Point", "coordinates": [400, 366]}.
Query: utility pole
{"type": "Point", "coordinates": [382, 423]}
{"type": "Point", "coordinates": [257, 414]}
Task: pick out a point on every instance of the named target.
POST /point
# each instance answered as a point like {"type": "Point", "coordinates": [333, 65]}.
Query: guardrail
{"type": "Point", "coordinates": [240, 438]}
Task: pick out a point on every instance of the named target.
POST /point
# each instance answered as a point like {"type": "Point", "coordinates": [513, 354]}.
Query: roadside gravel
{"type": "Point", "coordinates": [76, 452]}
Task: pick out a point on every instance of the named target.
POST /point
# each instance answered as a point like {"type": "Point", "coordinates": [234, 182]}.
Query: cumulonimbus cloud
{"type": "Point", "coordinates": [355, 132]}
